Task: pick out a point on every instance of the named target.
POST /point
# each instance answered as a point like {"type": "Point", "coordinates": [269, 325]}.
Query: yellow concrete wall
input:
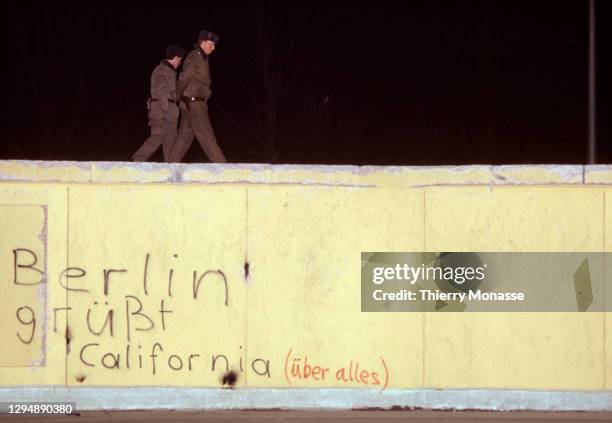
{"type": "Point", "coordinates": [301, 231]}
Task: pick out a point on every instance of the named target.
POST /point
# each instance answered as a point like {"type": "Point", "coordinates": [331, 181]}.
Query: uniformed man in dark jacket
{"type": "Point", "coordinates": [162, 106]}
{"type": "Point", "coordinates": [194, 91]}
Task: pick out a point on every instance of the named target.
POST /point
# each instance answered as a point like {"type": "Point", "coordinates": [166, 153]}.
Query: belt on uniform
{"type": "Point", "coordinates": [186, 99]}
{"type": "Point", "coordinates": [189, 100]}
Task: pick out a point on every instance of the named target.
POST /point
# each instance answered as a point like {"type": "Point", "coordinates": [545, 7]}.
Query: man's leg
{"type": "Point", "coordinates": [152, 143]}
{"type": "Point", "coordinates": [171, 122]}
{"type": "Point", "coordinates": [183, 140]}
{"type": "Point", "coordinates": [204, 132]}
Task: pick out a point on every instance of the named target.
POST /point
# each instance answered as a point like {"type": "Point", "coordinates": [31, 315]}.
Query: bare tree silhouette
{"type": "Point", "coordinates": [60, 54]}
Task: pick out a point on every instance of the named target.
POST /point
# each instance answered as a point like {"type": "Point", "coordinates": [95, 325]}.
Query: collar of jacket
{"type": "Point", "coordinates": [165, 62]}
{"type": "Point", "coordinates": [201, 52]}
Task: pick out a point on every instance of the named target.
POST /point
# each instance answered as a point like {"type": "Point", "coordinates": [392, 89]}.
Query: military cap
{"type": "Point", "coordinates": [173, 51]}
{"type": "Point", "coordinates": [208, 36]}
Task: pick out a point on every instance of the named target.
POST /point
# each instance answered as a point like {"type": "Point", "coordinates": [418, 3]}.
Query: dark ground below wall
{"type": "Point", "coordinates": [322, 416]}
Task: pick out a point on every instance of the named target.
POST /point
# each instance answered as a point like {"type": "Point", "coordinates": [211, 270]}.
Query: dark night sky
{"type": "Point", "coordinates": [402, 83]}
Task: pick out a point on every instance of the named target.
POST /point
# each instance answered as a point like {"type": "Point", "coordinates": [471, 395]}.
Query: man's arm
{"type": "Point", "coordinates": [159, 88]}
{"type": "Point", "coordinates": [190, 69]}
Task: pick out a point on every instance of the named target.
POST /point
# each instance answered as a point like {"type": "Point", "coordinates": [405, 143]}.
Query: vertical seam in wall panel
{"type": "Point", "coordinates": [423, 312]}
{"type": "Point", "coordinates": [45, 339]}
{"type": "Point", "coordinates": [246, 290]}
{"type": "Point", "coordinates": [66, 291]}
{"type": "Point", "coordinates": [605, 347]}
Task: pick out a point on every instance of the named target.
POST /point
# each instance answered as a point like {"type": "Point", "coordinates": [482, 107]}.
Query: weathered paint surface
{"type": "Point", "coordinates": [249, 275]}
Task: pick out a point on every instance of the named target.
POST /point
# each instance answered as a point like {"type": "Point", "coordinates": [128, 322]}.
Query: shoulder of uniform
{"type": "Point", "coordinates": [159, 68]}
{"type": "Point", "coordinates": [193, 58]}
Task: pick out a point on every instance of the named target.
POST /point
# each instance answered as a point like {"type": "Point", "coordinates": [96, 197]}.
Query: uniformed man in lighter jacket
{"type": "Point", "coordinates": [162, 107]}
{"type": "Point", "coordinates": [194, 92]}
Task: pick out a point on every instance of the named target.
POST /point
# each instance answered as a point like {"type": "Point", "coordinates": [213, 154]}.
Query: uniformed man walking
{"type": "Point", "coordinates": [194, 91]}
{"type": "Point", "coordinates": [162, 106]}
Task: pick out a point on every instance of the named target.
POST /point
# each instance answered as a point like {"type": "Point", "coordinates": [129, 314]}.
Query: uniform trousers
{"type": "Point", "coordinates": [195, 122]}
{"type": "Point", "coordinates": [163, 132]}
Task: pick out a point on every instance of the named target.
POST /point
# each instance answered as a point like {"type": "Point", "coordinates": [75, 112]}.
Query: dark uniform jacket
{"type": "Point", "coordinates": [194, 80]}
{"type": "Point", "coordinates": [163, 86]}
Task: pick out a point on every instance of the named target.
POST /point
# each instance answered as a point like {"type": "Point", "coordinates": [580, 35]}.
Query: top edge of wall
{"type": "Point", "coordinates": [288, 174]}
